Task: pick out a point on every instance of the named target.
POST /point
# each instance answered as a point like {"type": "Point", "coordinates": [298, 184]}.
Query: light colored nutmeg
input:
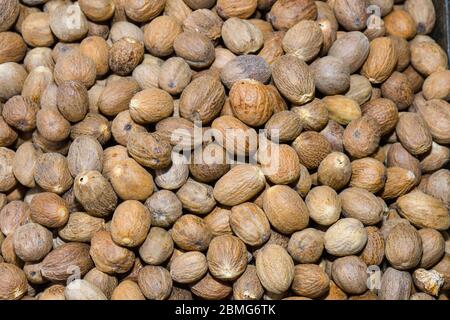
{"type": "Point", "coordinates": [368, 173]}
{"type": "Point", "coordinates": [403, 247]}
{"type": "Point", "coordinates": [250, 224]}
{"type": "Point", "coordinates": [304, 40]}
{"type": "Point", "coordinates": [362, 205]}
{"type": "Point", "coordinates": [346, 237]}
{"type": "Point", "coordinates": [241, 37]}
{"type": "Point", "coordinates": [189, 267]}
{"type": "Point", "coordinates": [324, 205]}
{"type": "Point", "coordinates": [342, 109]}
{"type": "Point", "coordinates": [335, 170]}
{"type": "Point", "coordinates": [306, 246]}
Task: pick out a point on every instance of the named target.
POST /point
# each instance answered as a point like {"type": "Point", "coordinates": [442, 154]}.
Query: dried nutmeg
{"type": "Point", "coordinates": [413, 133]}
{"type": "Point", "coordinates": [245, 67]}
{"type": "Point", "coordinates": [32, 242]}
{"type": "Point", "coordinates": [285, 14]}
{"type": "Point", "coordinates": [250, 102]}
{"type": "Point", "coordinates": [423, 210]}
{"type": "Point", "coordinates": [160, 34]}
{"type": "Point", "coordinates": [191, 233]}
{"type": "Point", "coordinates": [49, 210]}
{"type": "Point", "coordinates": [311, 148]}
{"type": "Point", "coordinates": [350, 274]}
{"type": "Point", "coordinates": [175, 75]}
{"type": "Point", "coordinates": [428, 281]}
{"type": "Point", "coordinates": [285, 126]}
{"type": "Point", "coordinates": [306, 246]}
{"type": "Point", "coordinates": [227, 257]}
{"type": "Point", "coordinates": [280, 163]}
{"type": "Point", "coordinates": [51, 125]}
{"type": "Point", "coordinates": [123, 126]}
{"type": "Point", "coordinates": [209, 288]}
{"type": "Point", "coordinates": [352, 15]}
{"type": "Point", "coordinates": [85, 154]}
{"type": "Point", "coordinates": [12, 78]}
{"type": "Point", "coordinates": [331, 75]}
{"type": "Point", "coordinates": [334, 170]}
{"type": "Point", "coordinates": [324, 205]}
{"type": "Point", "coordinates": [240, 184]}
{"type": "Point", "coordinates": [310, 281]}
{"type": "Point", "coordinates": [236, 8]}
{"type": "Point", "coordinates": [428, 57]}
{"type": "Point", "coordinates": [435, 86]}
{"type": "Point", "coordinates": [97, 49]}
{"type": "Point", "coordinates": [285, 209]}
{"type": "Point", "coordinates": [95, 193]}
{"type": "Point", "coordinates": [249, 223]}
{"type": "Point", "coordinates": [108, 256]}
{"type": "Point", "coordinates": [399, 181]}
{"type": "Point", "coordinates": [423, 14]}
{"type": "Point", "coordinates": [346, 237]}
{"type": "Point", "coordinates": [304, 40]}
{"type": "Point", "coordinates": [7, 134]}
{"type": "Point", "coordinates": [127, 290]}
{"type": "Point", "coordinates": [352, 48]}
{"type": "Point", "coordinates": [97, 10]}
{"type": "Point", "coordinates": [24, 162]}
{"type": "Point", "coordinates": [13, 282]}
{"type": "Point", "coordinates": [395, 285]}
{"type": "Point", "coordinates": [194, 47]}
{"type": "Point", "coordinates": [400, 23]}
{"type": "Point", "coordinates": [403, 247]}
{"type": "Point", "coordinates": [52, 173]}
{"type": "Point", "coordinates": [13, 215]}
{"type": "Point", "coordinates": [188, 267]}
{"type": "Point", "coordinates": [368, 173]}
{"type": "Point", "coordinates": [20, 113]}
{"type": "Point", "coordinates": [130, 223]}
{"type": "Point", "coordinates": [72, 100]}
{"type": "Point", "coordinates": [206, 22]}
{"type": "Point", "coordinates": [248, 286]}
{"type": "Point", "coordinates": [210, 163]}
{"type": "Point", "coordinates": [313, 115]}
{"type": "Point", "coordinates": [157, 247]}
{"type": "Point", "coordinates": [342, 109]}
{"type": "Point", "coordinates": [13, 47]}
{"type": "Point", "coordinates": [196, 197]}
{"type": "Point", "coordinates": [81, 227]}
{"type": "Point", "coordinates": [433, 245]}
{"type": "Point", "coordinates": [61, 262]}
{"type": "Point", "coordinates": [150, 149]}
{"type": "Point", "coordinates": [381, 61]}
{"type": "Point", "coordinates": [125, 55]}
{"type": "Point", "coordinates": [373, 252]}
{"type": "Point", "coordinates": [275, 268]}
{"type": "Point", "coordinates": [165, 208]}
{"type": "Point", "coordinates": [68, 32]}
{"type": "Point", "coordinates": [10, 12]}
{"type": "Point", "coordinates": [93, 125]}
{"type": "Point", "coordinates": [202, 99]}
{"type": "Point", "coordinates": [362, 137]}
{"type": "Point", "coordinates": [293, 78]}
{"type": "Point", "coordinates": [398, 89]}
{"type": "Point", "coordinates": [384, 111]}
{"type": "Point", "coordinates": [436, 115]}
{"type": "Point", "coordinates": [75, 66]}
{"type": "Point", "coordinates": [241, 37]}
{"type": "Point", "coordinates": [143, 11]}
{"type": "Point", "coordinates": [362, 205]}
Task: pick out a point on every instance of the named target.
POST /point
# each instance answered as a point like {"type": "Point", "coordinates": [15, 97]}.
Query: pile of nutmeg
{"type": "Point", "coordinates": [223, 149]}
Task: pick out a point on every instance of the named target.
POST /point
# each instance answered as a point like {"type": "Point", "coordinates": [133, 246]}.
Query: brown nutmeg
{"type": "Point", "coordinates": [285, 209]}
{"type": "Point", "coordinates": [304, 40]}
{"type": "Point", "coordinates": [97, 49]}
{"type": "Point", "coordinates": [97, 10]}
{"type": "Point", "coordinates": [331, 75]}
{"type": "Point", "coordinates": [20, 113]}
{"type": "Point", "coordinates": [250, 102]}
{"type": "Point", "coordinates": [428, 57]}
{"type": "Point", "coordinates": [310, 281]}
{"type": "Point", "coordinates": [72, 100]}
{"type": "Point", "coordinates": [131, 181]}
{"type": "Point", "coordinates": [191, 233]}
{"type": "Point", "coordinates": [273, 47]}
{"type": "Point", "coordinates": [75, 66]}
{"type": "Point", "coordinates": [13, 282]}
{"type": "Point", "coordinates": [127, 290]}
{"type": "Point", "coordinates": [434, 86]}
{"type": "Point", "coordinates": [350, 274]}
{"type": "Point", "coordinates": [342, 109]}
{"type": "Point", "coordinates": [311, 148]}
{"type": "Point", "coordinates": [165, 208]}
{"type": "Point", "coordinates": [236, 8]}
{"type": "Point", "coordinates": [381, 61]}
{"type": "Point", "coordinates": [436, 115]}
{"type": "Point", "coordinates": [10, 12]}
{"type": "Point", "coordinates": [13, 215]}
{"type": "Point", "coordinates": [7, 134]}
{"type": "Point", "coordinates": [384, 111]}
{"type": "Point", "coordinates": [279, 163]}
{"type": "Point", "coordinates": [157, 247]}
{"type": "Point", "coordinates": [94, 125]}
{"type": "Point", "coordinates": [284, 126]}
{"type": "Point", "coordinates": [123, 126]}
{"type": "Point", "coordinates": [398, 182]}
{"type": "Point", "coordinates": [125, 55]}
{"type": "Point", "coordinates": [395, 285]}
{"type": "Point", "coordinates": [241, 37]}
{"type": "Point", "coordinates": [218, 221]}
{"type": "Point", "coordinates": [352, 15]}
{"type": "Point", "coordinates": [433, 245]}
{"type": "Point", "coordinates": [275, 268]}
{"type": "Point", "coordinates": [368, 173]}
{"type": "Point", "coordinates": [293, 78]}
{"type": "Point", "coordinates": [333, 132]}
{"type": "Point", "coordinates": [109, 257]}
{"type": "Point", "coordinates": [248, 286]}
{"type": "Point", "coordinates": [105, 282]}
{"type": "Point", "coordinates": [24, 162]}
{"type": "Point", "coordinates": [313, 115]}
{"type": "Point", "coordinates": [130, 223]}
{"type": "Point", "coordinates": [81, 227]}
{"type": "Point", "coordinates": [196, 197]}
{"type": "Point", "coordinates": [362, 205]}
{"type": "Point", "coordinates": [175, 75]}
{"type": "Point", "coordinates": [286, 13]}
{"type": "Point", "coordinates": [51, 125]}
{"type": "Point", "coordinates": [85, 153]}
{"type": "Point", "coordinates": [209, 288]}
{"type": "Point", "coordinates": [155, 282]}
{"type": "Point", "coordinates": [227, 257]}
{"type": "Point", "coordinates": [68, 32]}
{"type": "Point", "coordinates": [189, 267]}
{"type": "Point", "coordinates": [32, 242]}
{"type": "Point", "coordinates": [245, 67]}
{"type": "Point", "coordinates": [423, 14]}
{"type": "Point", "coordinates": [398, 89]}
{"type": "Point", "coordinates": [160, 34]}
{"type": "Point", "coordinates": [210, 163]}
{"type": "Point", "coordinates": [150, 149]}
{"type": "Point", "coordinates": [194, 47]}
{"type": "Point", "coordinates": [13, 47]}
{"type": "Point", "coordinates": [250, 224]}
{"type": "Point", "coordinates": [413, 133]}
{"type": "Point", "coordinates": [352, 49]}
{"type": "Point", "coordinates": [208, 23]}
{"type": "Point", "coordinates": [403, 247]}
{"type": "Point", "coordinates": [347, 236]}
{"type": "Point", "coordinates": [117, 95]}
{"type": "Point", "coordinates": [12, 78]}
{"type": "Point", "coordinates": [49, 210]}
{"type": "Point", "coordinates": [143, 11]}
{"type": "Point", "coordinates": [400, 23]}
{"type": "Point", "coordinates": [362, 137]}
{"type": "Point", "coordinates": [52, 173]}
{"type": "Point", "coordinates": [202, 99]}
{"type": "Point", "coordinates": [306, 246]}
{"type": "Point", "coordinates": [373, 252]}
{"type": "Point", "coordinates": [334, 170]}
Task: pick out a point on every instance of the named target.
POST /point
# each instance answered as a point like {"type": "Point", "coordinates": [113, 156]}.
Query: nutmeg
{"type": "Point", "coordinates": [175, 75]}
{"type": "Point", "coordinates": [189, 267]}
{"type": "Point", "coordinates": [196, 197]}
{"type": "Point", "coordinates": [81, 227]}
{"type": "Point", "coordinates": [313, 115]}
{"type": "Point", "coordinates": [400, 23]}
{"type": "Point", "coordinates": [49, 210]}
{"type": "Point", "coordinates": [413, 133]}
{"type": "Point", "coordinates": [384, 111]}
{"type": "Point", "coordinates": [164, 207]}
{"type": "Point", "coordinates": [346, 237]}
{"type": "Point", "coordinates": [428, 57]}
{"type": "Point", "coordinates": [398, 182]}
{"type": "Point", "coordinates": [310, 281]}
{"type": "Point", "coordinates": [127, 290]}
{"type": "Point", "coordinates": [398, 89]}
{"type": "Point", "coordinates": [304, 40]}
{"type": "Point", "coordinates": [157, 247]}
{"type": "Point", "coordinates": [373, 252]}
{"type": "Point", "coordinates": [362, 205]}
{"type": "Point", "coordinates": [13, 47]}
{"type": "Point", "coordinates": [433, 245]}
{"type": "Point", "coordinates": [68, 32]}
{"type": "Point", "coordinates": [13, 215]}
{"type": "Point", "coordinates": [210, 163]}
{"type": "Point", "coordinates": [20, 113]}
{"type": "Point", "coordinates": [150, 149]}
{"type": "Point", "coordinates": [9, 15]}
{"type": "Point", "coordinates": [195, 48]}
{"type": "Point", "coordinates": [381, 61]}
{"type": "Point", "coordinates": [250, 224]}
{"type": "Point", "coordinates": [403, 247]}
{"type": "Point", "coordinates": [210, 288]}
{"type": "Point", "coordinates": [333, 132]}
{"type": "Point", "coordinates": [97, 10]}
{"type": "Point", "coordinates": [352, 49]}
{"type": "Point", "coordinates": [293, 78]}
{"type": "Point", "coordinates": [12, 78]}
{"type": "Point", "coordinates": [143, 11]}
{"type": "Point", "coordinates": [206, 22]}
{"type": "Point", "coordinates": [434, 86]}
{"type": "Point", "coordinates": [334, 170]}
{"type": "Point", "coordinates": [13, 282]}
{"type": "Point", "coordinates": [311, 148]}
{"type": "Point", "coordinates": [368, 173]}
{"type": "Point", "coordinates": [248, 286]}
{"type": "Point", "coordinates": [160, 34]}
{"type": "Point", "coordinates": [98, 50]}
{"type": "Point", "coordinates": [52, 173]}
{"type": "Point", "coordinates": [191, 233]}
{"type": "Point", "coordinates": [361, 137]}
{"type": "Point", "coordinates": [286, 13]}
{"type": "Point", "coordinates": [352, 15]}
{"type": "Point", "coordinates": [241, 37]}
{"type": "Point", "coordinates": [32, 242]}
{"type": "Point", "coordinates": [342, 109]}
{"type": "Point", "coordinates": [306, 246]}
{"type": "Point", "coordinates": [117, 95]}
{"type": "Point", "coordinates": [227, 257]}
{"type": "Point", "coordinates": [395, 285]}
{"type": "Point", "coordinates": [350, 274]}
{"type": "Point", "coordinates": [75, 66]}
{"type": "Point", "coordinates": [36, 30]}
{"type": "Point", "coordinates": [175, 176]}
{"type": "Point", "coordinates": [360, 89]}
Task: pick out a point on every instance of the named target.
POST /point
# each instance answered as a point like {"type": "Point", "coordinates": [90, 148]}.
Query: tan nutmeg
{"type": "Point", "coordinates": [304, 40]}
{"type": "Point", "coordinates": [398, 89]}
{"type": "Point", "coordinates": [241, 37]}
{"type": "Point", "coordinates": [350, 274]}
{"type": "Point", "coordinates": [306, 246]}
{"type": "Point", "coordinates": [10, 12]}
{"type": "Point", "coordinates": [384, 111]}
{"type": "Point", "coordinates": [72, 100]}
{"type": "Point", "coordinates": [368, 173]}
{"type": "Point", "coordinates": [311, 148]}
{"type": "Point", "coordinates": [362, 205]}
{"type": "Point", "coordinates": [331, 75]}
{"type": "Point", "coordinates": [286, 13]}
{"type": "Point", "coordinates": [400, 23]}
{"type": "Point", "coordinates": [324, 205]}
{"type": "Point", "coordinates": [97, 49]}
{"type": "Point", "coordinates": [49, 210]}
{"type": "Point", "coordinates": [248, 286]}
{"type": "Point", "coordinates": [362, 137]}
{"type": "Point", "coordinates": [150, 150]}
{"type": "Point", "coordinates": [194, 47]}
{"type": "Point", "coordinates": [249, 223]}
{"type": "Point", "coordinates": [75, 66]}
{"type": "Point", "coordinates": [381, 61]}
{"type": "Point", "coordinates": [352, 48]}
{"type": "Point", "coordinates": [403, 247]}
{"type": "Point", "coordinates": [188, 267]}
{"type": "Point", "coordinates": [342, 109]}
{"type": "Point", "coordinates": [97, 10]}
{"type": "Point", "coordinates": [125, 55]}
{"type": "Point", "coordinates": [236, 8]}
{"type": "Point", "coordinates": [428, 57]}
{"type": "Point", "coordinates": [434, 86]}
{"type": "Point", "coordinates": [143, 11]}
{"type": "Point", "coordinates": [347, 236]}
{"type": "Point", "coordinates": [20, 113]}
{"type": "Point", "coordinates": [352, 15]}
{"type": "Point", "coordinates": [285, 125]}
{"type": "Point", "coordinates": [13, 282]}
{"type": "Point", "coordinates": [157, 247]}
{"type": "Point", "coordinates": [227, 257]}
{"type": "Point", "coordinates": [310, 280]}
{"type": "Point", "coordinates": [413, 133]}
{"type": "Point", "coordinates": [275, 268]}
{"type": "Point", "coordinates": [335, 170]}
{"type": "Point", "coordinates": [398, 182]}
{"type": "Point", "coordinates": [250, 102]}
{"type": "Point", "coordinates": [160, 34]}
{"type": "Point", "coordinates": [175, 75]}
{"type": "Point", "coordinates": [32, 242]}
{"type": "Point", "coordinates": [13, 47]}
{"type": "Point", "coordinates": [52, 173]}
{"type": "Point", "coordinates": [293, 78]}
{"type": "Point", "coordinates": [68, 32]}
{"type": "Point", "coordinates": [428, 281]}
{"type": "Point", "coordinates": [313, 115]}
{"type": "Point", "coordinates": [373, 252]}
{"type": "Point", "coordinates": [191, 233]}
